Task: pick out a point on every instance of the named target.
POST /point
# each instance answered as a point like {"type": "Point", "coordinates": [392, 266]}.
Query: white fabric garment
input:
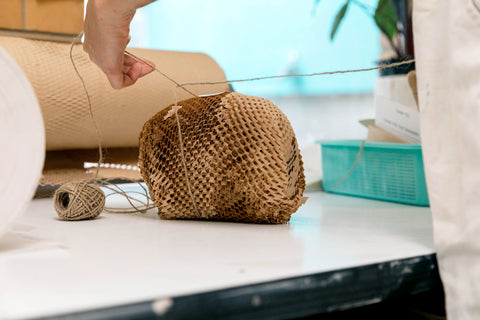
{"type": "Point", "coordinates": [447, 52]}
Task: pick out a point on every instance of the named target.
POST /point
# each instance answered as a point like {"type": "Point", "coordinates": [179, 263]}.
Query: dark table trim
{"type": "Point", "coordinates": [293, 297]}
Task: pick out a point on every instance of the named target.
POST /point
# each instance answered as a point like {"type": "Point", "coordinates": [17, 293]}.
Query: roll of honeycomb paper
{"type": "Point", "coordinates": [71, 140]}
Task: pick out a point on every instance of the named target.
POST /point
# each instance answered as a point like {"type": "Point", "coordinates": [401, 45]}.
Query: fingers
{"type": "Point", "coordinates": [129, 73]}
{"type": "Point", "coordinates": [106, 27]}
{"type": "Point", "coordinates": [113, 70]}
{"type": "Point", "coordinates": [116, 80]}
{"type": "Point", "coordinates": [145, 68]}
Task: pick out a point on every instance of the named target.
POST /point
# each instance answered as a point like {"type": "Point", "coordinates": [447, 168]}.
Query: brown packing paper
{"type": "Point", "coordinates": [376, 134]}
{"type": "Point", "coordinates": [412, 82]}
{"type": "Point", "coordinates": [70, 165]}
{"type": "Point", "coordinates": [235, 158]}
{"type": "Point", "coordinates": [120, 114]}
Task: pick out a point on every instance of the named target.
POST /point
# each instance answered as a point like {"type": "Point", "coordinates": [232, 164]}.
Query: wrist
{"type": "Point", "coordinates": [142, 3]}
{"type": "Point", "coordinates": [118, 7]}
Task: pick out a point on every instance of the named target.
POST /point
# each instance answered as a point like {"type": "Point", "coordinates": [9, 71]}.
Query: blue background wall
{"type": "Point", "coordinates": [250, 38]}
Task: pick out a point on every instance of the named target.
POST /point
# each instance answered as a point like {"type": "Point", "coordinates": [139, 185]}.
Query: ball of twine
{"type": "Point", "coordinates": [79, 201]}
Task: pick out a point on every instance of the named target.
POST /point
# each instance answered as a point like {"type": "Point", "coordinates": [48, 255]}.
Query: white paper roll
{"type": "Point", "coordinates": [22, 141]}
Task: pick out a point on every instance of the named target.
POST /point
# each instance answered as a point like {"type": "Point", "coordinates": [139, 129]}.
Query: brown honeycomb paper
{"type": "Point", "coordinates": [238, 160]}
{"type": "Point", "coordinates": [241, 155]}
{"type": "Point", "coordinates": [120, 114]}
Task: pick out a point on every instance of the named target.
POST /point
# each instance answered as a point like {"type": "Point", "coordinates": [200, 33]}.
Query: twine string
{"type": "Point", "coordinates": [135, 203]}
{"type": "Point", "coordinates": [184, 160]}
{"type": "Point", "coordinates": [142, 206]}
{"type": "Point", "coordinates": [78, 39]}
{"type": "Point", "coordinates": [177, 119]}
{"type": "Point", "coordinates": [183, 85]}
{"type": "Point", "coordinates": [382, 66]}
{"type": "Point", "coordinates": [159, 71]}
{"type": "Point", "coordinates": [357, 160]}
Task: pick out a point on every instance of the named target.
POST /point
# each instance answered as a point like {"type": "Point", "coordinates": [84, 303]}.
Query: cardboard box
{"type": "Point", "coordinates": [57, 16]}
{"type": "Point", "coordinates": [11, 14]}
{"type": "Point", "coordinates": [60, 16]}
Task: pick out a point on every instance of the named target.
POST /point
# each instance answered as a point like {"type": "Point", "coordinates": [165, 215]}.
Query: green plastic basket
{"type": "Point", "coordinates": [383, 171]}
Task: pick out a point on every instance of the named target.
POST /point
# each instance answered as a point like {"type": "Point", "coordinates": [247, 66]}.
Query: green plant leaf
{"type": "Point", "coordinates": [338, 19]}
{"type": "Point", "coordinates": [386, 18]}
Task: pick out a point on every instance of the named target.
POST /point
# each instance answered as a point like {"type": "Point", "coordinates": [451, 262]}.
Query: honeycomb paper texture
{"type": "Point", "coordinates": [120, 114]}
{"type": "Point", "coordinates": [241, 155]}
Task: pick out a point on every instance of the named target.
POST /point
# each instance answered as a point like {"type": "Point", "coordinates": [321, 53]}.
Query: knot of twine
{"type": "Point", "coordinates": [79, 201]}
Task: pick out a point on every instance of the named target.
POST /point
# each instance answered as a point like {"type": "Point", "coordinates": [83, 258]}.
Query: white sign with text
{"type": "Point", "coordinates": [398, 119]}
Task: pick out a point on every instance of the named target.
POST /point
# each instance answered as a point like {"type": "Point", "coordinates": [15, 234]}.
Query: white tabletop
{"type": "Point", "coordinates": [48, 266]}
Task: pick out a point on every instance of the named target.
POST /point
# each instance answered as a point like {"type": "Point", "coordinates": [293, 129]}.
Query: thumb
{"type": "Point", "coordinates": [115, 79]}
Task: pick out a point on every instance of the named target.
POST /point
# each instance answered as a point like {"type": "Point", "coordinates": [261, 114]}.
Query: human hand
{"type": "Point", "coordinates": [107, 28]}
